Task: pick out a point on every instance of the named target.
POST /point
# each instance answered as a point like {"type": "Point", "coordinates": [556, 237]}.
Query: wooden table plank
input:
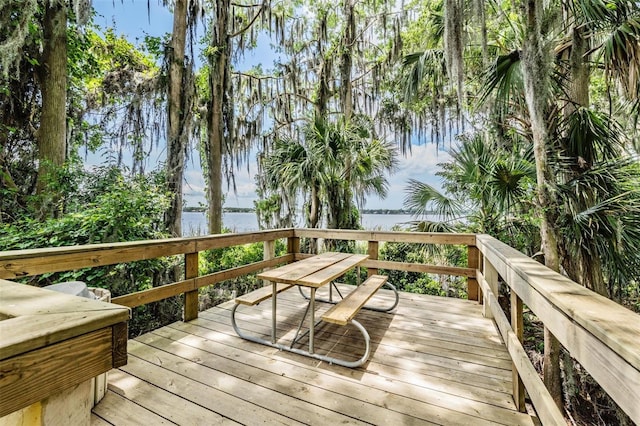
{"type": "Point", "coordinates": [331, 272]}
{"type": "Point", "coordinates": [291, 273]}
{"type": "Point", "coordinates": [344, 311]}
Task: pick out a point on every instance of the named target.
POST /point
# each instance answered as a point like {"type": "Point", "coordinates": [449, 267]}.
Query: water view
{"type": "Point", "coordinates": [195, 223]}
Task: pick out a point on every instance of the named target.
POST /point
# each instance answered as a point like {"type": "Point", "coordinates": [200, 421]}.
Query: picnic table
{"type": "Point", "coordinates": [315, 272]}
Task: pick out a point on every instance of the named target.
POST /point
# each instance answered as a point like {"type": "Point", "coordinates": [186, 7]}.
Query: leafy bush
{"type": "Point", "coordinates": [107, 207]}
{"type": "Point", "coordinates": [415, 282]}
{"type": "Point", "coordinates": [230, 257]}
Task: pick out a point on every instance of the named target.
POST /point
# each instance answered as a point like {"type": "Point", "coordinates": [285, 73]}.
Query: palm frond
{"type": "Point", "coordinates": [507, 184]}
{"type": "Point", "coordinates": [423, 199]}
{"type": "Point", "coordinates": [420, 69]}
{"type": "Point", "coordinates": [618, 23]}
{"type": "Point", "coordinates": [430, 226]}
{"type": "Point", "coordinates": [591, 137]}
{"type": "Point", "coordinates": [504, 78]}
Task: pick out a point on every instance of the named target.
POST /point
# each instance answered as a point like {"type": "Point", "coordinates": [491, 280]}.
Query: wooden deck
{"type": "Point", "coordinates": [434, 361]}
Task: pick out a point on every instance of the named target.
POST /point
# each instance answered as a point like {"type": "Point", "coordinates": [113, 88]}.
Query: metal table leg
{"type": "Point", "coordinates": [274, 294]}
{"type": "Point", "coordinates": [312, 321]}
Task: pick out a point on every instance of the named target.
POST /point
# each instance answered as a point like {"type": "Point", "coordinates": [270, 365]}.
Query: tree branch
{"type": "Point", "coordinates": [246, 6]}
{"type": "Point", "coordinates": [237, 33]}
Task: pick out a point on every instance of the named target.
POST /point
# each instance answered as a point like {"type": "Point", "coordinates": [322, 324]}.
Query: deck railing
{"type": "Point", "coordinates": [603, 336]}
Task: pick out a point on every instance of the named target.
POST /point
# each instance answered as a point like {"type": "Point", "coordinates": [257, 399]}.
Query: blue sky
{"type": "Point", "coordinates": [134, 19]}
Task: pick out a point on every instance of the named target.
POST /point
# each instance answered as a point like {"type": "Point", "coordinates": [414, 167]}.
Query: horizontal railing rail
{"type": "Point", "coordinates": [169, 290]}
{"type": "Point", "coordinates": [23, 263]}
{"type": "Point", "coordinates": [603, 336]}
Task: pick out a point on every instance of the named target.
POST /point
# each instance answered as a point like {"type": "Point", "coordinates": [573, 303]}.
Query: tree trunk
{"type": "Point", "coordinates": [585, 268]}
{"type": "Point", "coordinates": [481, 16]}
{"type": "Point", "coordinates": [454, 45]}
{"type": "Point", "coordinates": [579, 68]}
{"type": "Point", "coordinates": [314, 213]}
{"type": "Point", "coordinates": [588, 263]}
{"type": "Point", "coordinates": [176, 129]}
{"type": "Point", "coordinates": [551, 367]}
{"type": "Point", "coordinates": [52, 134]}
{"type": "Point", "coordinates": [346, 63]}
{"type": "Point", "coordinates": [536, 73]}
{"type": "Point", "coordinates": [324, 91]}
{"type": "Point", "coordinates": [219, 123]}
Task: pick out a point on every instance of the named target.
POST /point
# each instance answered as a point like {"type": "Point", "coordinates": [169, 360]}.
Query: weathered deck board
{"type": "Point", "coordinates": [434, 361]}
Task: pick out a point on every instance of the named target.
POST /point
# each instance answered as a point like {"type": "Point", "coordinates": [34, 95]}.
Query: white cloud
{"type": "Point", "coordinates": [422, 165]}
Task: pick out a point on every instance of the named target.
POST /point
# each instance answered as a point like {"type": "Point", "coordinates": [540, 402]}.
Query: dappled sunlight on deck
{"type": "Point", "coordinates": [434, 361]}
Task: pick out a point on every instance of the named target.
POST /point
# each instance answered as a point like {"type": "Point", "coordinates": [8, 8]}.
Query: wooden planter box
{"type": "Point", "coordinates": [52, 345]}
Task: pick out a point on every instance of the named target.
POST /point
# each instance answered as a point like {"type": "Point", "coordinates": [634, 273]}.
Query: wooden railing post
{"type": "Point", "coordinates": [372, 251]}
{"type": "Point", "coordinates": [191, 297]}
{"type": "Point", "coordinates": [293, 245]}
{"type": "Point", "coordinates": [473, 261]}
{"type": "Point", "coordinates": [269, 253]}
{"type": "Point", "coordinates": [517, 324]}
{"type": "Point", "coordinates": [491, 277]}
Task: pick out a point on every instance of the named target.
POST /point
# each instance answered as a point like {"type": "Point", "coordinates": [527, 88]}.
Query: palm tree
{"type": "Point", "coordinates": [333, 166]}
{"type": "Point", "coordinates": [359, 167]}
{"type": "Point", "coordinates": [486, 186]}
{"type": "Point", "coordinates": [293, 167]}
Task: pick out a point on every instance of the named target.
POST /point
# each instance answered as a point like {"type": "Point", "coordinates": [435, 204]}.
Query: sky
{"type": "Point", "coordinates": [135, 18]}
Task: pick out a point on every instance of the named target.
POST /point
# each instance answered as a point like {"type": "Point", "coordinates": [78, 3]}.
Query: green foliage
{"type": "Point", "coordinates": [415, 282]}
{"type": "Point", "coordinates": [217, 260]}
{"type": "Point", "coordinates": [600, 200]}
{"type": "Point", "coordinates": [489, 188]}
{"type": "Point", "coordinates": [106, 206]}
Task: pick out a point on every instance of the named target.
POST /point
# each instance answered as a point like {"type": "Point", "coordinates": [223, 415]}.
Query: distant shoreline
{"type": "Point", "coordinates": [200, 209]}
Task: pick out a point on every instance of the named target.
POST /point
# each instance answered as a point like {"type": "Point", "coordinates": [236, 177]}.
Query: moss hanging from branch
{"type": "Point", "coordinates": [16, 20]}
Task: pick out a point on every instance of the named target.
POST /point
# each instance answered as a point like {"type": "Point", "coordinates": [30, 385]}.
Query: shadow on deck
{"type": "Point", "coordinates": [434, 361]}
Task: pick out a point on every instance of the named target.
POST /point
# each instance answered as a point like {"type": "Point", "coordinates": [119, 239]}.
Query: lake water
{"type": "Point", "coordinates": [195, 223]}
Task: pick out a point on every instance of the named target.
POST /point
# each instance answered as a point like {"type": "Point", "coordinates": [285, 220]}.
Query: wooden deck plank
{"type": "Point", "coordinates": [383, 383]}
{"type": "Point", "coordinates": [415, 348]}
{"type": "Point", "coordinates": [429, 371]}
{"type": "Point", "coordinates": [247, 390]}
{"type": "Point", "coordinates": [163, 402]}
{"type": "Point", "coordinates": [118, 410]}
{"type": "Point", "coordinates": [263, 371]}
{"type": "Point", "coordinates": [431, 366]}
{"type": "Point", "coordinates": [405, 327]}
{"type": "Point", "coordinates": [98, 421]}
{"type": "Point", "coordinates": [436, 368]}
{"type": "Point", "coordinates": [430, 316]}
{"type": "Point", "coordinates": [206, 339]}
{"type": "Point", "coordinates": [352, 344]}
{"type": "Point", "coordinates": [443, 367]}
{"type": "Point", "coordinates": [417, 406]}
{"type": "Point", "coordinates": [482, 361]}
{"type": "Point", "coordinates": [210, 397]}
